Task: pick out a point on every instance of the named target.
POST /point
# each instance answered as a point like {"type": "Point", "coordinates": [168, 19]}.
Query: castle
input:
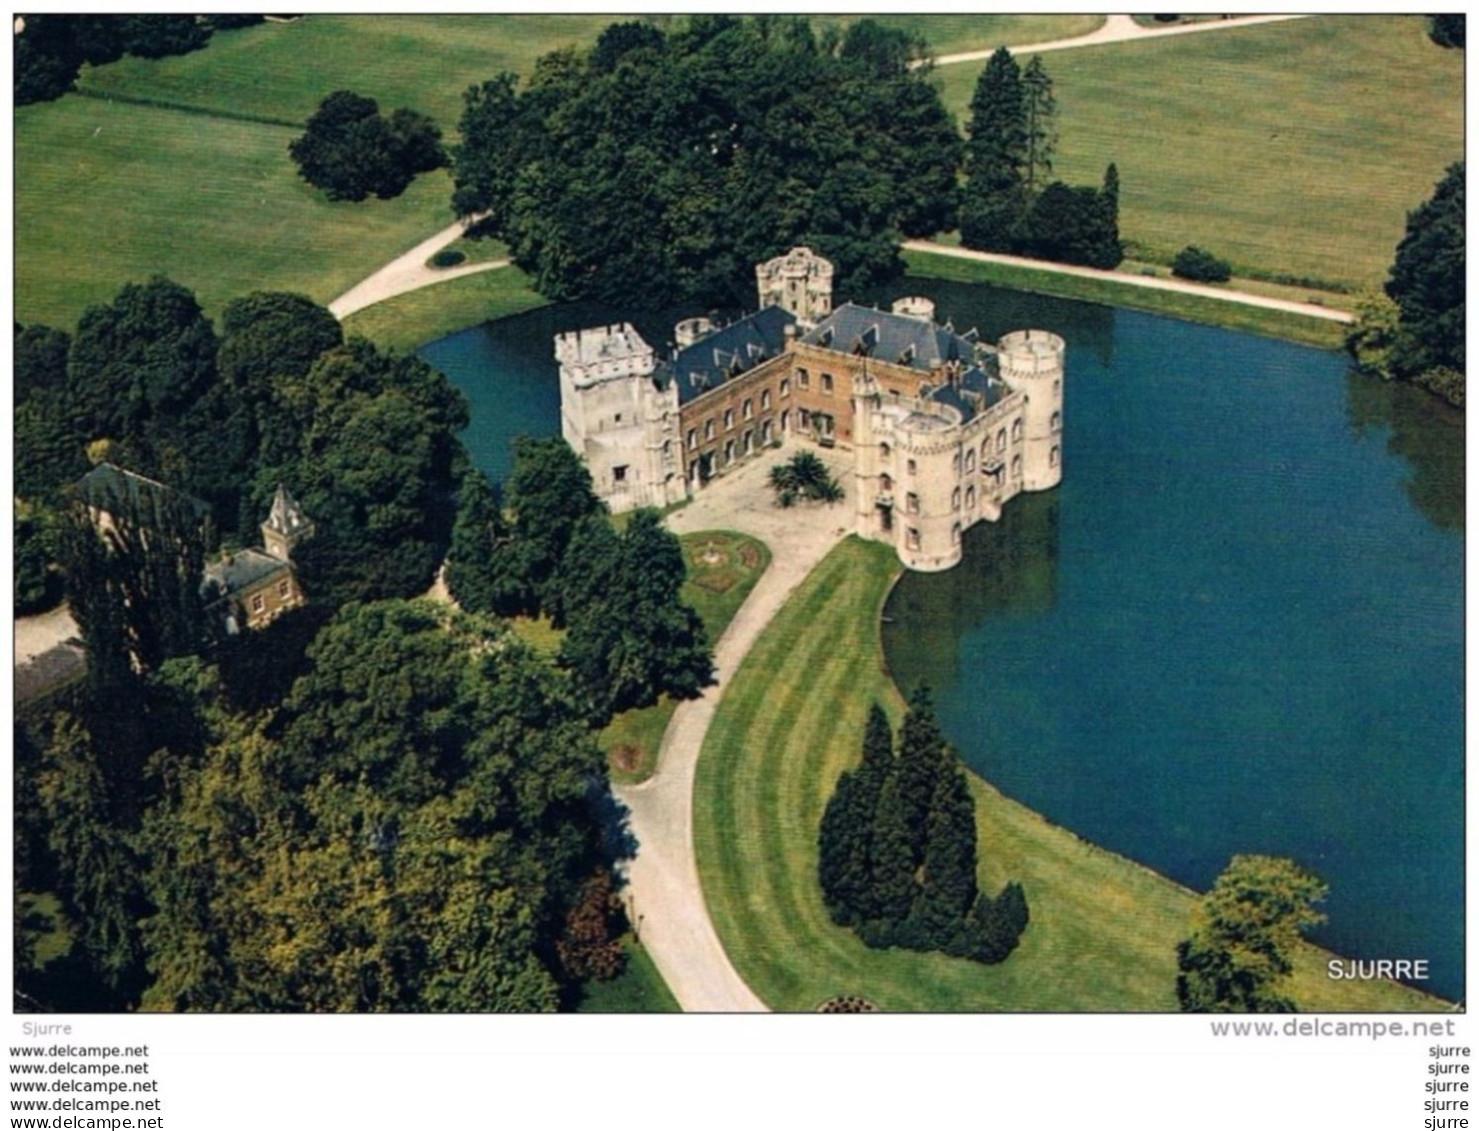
{"type": "Point", "coordinates": [943, 428]}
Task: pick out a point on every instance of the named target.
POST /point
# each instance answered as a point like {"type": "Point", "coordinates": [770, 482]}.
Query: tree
{"type": "Point", "coordinates": [804, 476]}
{"type": "Point", "coordinates": [1200, 266]}
{"type": "Point", "coordinates": [40, 361]}
{"type": "Point", "coordinates": [47, 59]}
{"type": "Point", "coordinates": [1243, 933]}
{"type": "Point", "coordinates": [891, 858]}
{"type": "Point", "coordinates": [1427, 282]}
{"type": "Point", "coordinates": [548, 492]}
{"type": "Point", "coordinates": [350, 151]}
{"type": "Point", "coordinates": [994, 201]}
{"type": "Point", "coordinates": [947, 890]}
{"type": "Point", "coordinates": [1072, 224]}
{"type": "Point", "coordinates": [653, 167]}
{"type": "Point", "coordinates": [1039, 109]}
{"type": "Point", "coordinates": [154, 37]}
{"type": "Point", "coordinates": [630, 636]}
{"type": "Point", "coordinates": [923, 759]}
{"type": "Point", "coordinates": [470, 571]}
{"type": "Point", "coordinates": [1447, 30]}
{"type": "Point", "coordinates": [37, 588]}
{"type": "Point", "coordinates": [844, 867]}
{"type": "Point", "coordinates": [141, 362]}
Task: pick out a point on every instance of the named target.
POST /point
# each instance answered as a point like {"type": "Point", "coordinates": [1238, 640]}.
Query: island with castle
{"type": "Point", "coordinates": [943, 428]}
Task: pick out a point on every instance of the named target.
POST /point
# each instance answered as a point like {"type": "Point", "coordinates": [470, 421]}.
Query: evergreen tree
{"type": "Point", "coordinates": [948, 883]}
{"type": "Point", "coordinates": [891, 859]}
{"type": "Point", "coordinates": [994, 200]}
{"type": "Point", "coordinates": [1039, 130]}
{"type": "Point", "coordinates": [1427, 282]}
{"type": "Point", "coordinates": [845, 838]}
{"type": "Point", "coordinates": [471, 570]}
{"type": "Point", "coordinates": [923, 759]}
{"type": "Point", "coordinates": [547, 493]}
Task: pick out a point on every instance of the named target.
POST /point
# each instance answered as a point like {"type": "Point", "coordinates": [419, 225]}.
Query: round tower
{"type": "Point", "coordinates": [1032, 363]}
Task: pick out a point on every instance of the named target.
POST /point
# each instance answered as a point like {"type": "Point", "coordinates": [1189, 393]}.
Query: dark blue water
{"type": "Point", "coordinates": [1235, 627]}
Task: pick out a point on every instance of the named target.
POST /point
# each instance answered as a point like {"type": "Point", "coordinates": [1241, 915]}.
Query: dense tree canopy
{"type": "Point", "coordinates": [662, 165]}
{"type": "Point", "coordinates": [897, 848]}
{"type": "Point", "coordinates": [1427, 282]}
{"type": "Point", "coordinates": [1238, 956]}
{"type": "Point", "coordinates": [351, 151]}
{"type": "Point", "coordinates": [1009, 203]}
{"type": "Point", "coordinates": [50, 49]}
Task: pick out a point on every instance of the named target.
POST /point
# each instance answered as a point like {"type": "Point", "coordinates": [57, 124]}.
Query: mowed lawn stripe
{"type": "Point", "coordinates": [1103, 930]}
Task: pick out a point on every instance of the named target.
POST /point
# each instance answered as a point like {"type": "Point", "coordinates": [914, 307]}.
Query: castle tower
{"type": "Point", "coordinates": [1032, 363]}
{"type": "Point", "coordinates": [286, 526]}
{"type": "Point", "coordinates": [799, 281]}
{"type": "Point", "coordinates": [618, 420]}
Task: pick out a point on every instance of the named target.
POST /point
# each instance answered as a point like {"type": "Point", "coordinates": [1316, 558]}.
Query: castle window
{"type": "Point", "coordinates": [765, 431]}
{"type": "Point", "coordinates": [728, 419]}
{"type": "Point", "coordinates": [728, 452]}
{"type": "Point", "coordinates": [282, 588]}
{"type": "Point", "coordinates": [749, 408]}
{"type": "Point", "coordinates": [1053, 458]}
{"type": "Point", "coordinates": [884, 451]}
{"type": "Point", "coordinates": [1056, 423]}
{"type": "Point", "coordinates": [785, 386]}
{"type": "Point", "coordinates": [970, 498]}
{"type": "Point", "coordinates": [764, 399]}
{"type": "Point", "coordinates": [1055, 388]}
{"type": "Point", "coordinates": [749, 441]}
{"type": "Point", "coordinates": [692, 438]}
{"type": "Point", "coordinates": [803, 379]}
{"type": "Point", "coordinates": [1016, 429]}
{"type": "Point", "coordinates": [258, 603]}
{"type": "Point", "coordinates": [911, 503]}
{"type": "Point", "coordinates": [955, 463]}
{"type": "Point", "coordinates": [618, 418]}
{"type": "Point", "coordinates": [709, 428]}
{"type": "Point", "coordinates": [911, 538]}
{"type": "Point", "coordinates": [827, 383]}
{"type": "Point", "coordinates": [970, 460]}
{"type": "Point", "coordinates": [955, 499]}
{"type": "Point", "coordinates": [885, 482]}
{"type": "Point", "coordinates": [1016, 467]}
{"type": "Point", "coordinates": [1001, 440]}
{"type": "Point", "coordinates": [913, 467]}
{"type": "Point", "coordinates": [803, 418]}
{"type": "Point", "coordinates": [619, 473]}
{"type": "Point", "coordinates": [955, 534]}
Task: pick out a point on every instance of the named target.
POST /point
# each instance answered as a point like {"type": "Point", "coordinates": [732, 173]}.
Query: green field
{"type": "Point", "coordinates": [1293, 147]}
{"type": "Point", "coordinates": [948, 34]}
{"type": "Point", "coordinates": [107, 193]}
{"type": "Point", "coordinates": [1103, 930]}
{"type": "Point", "coordinates": [1192, 308]}
{"type": "Point", "coordinates": [723, 566]}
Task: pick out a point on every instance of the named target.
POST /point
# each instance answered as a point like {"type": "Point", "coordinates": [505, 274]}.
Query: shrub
{"type": "Point", "coordinates": [447, 257]}
{"type": "Point", "coordinates": [1201, 266]}
{"type": "Point", "coordinates": [349, 150]}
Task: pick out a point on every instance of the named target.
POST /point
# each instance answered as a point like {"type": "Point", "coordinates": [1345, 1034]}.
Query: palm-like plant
{"type": "Point", "coordinates": [804, 476]}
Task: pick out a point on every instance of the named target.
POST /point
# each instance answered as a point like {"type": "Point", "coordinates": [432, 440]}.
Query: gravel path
{"type": "Point", "coordinates": [1117, 29]}
{"type": "Point", "coordinates": [1180, 286]}
{"type": "Point", "coordinates": [409, 272]}
{"type": "Point", "coordinates": [667, 901]}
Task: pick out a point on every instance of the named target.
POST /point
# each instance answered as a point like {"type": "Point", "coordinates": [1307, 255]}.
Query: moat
{"type": "Point", "coordinates": [1237, 625]}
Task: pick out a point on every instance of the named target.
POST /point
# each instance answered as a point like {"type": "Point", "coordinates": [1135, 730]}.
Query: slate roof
{"type": "Point", "coordinates": [898, 338]}
{"type": "Point", "coordinates": [107, 484]}
{"type": "Point", "coordinates": [228, 576]}
{"type": "Point", "coordinates": [979, 388]}
{"type": "Point", "coordinates": [726, 353]}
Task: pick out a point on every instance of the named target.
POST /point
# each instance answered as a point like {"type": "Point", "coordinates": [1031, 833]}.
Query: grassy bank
{"type": "Point", "coordinates": [638, 989]}
{"type": "Point", "coordinates": [723, 566]}
{"type": "Point", "coordinates": [1103, 930]}
{"type": "Point", "coordinates": [417, 317]}
{"type": "Point", "coordinates": [1192, 308]}
{"type": "Point", "coordinates": [1294, 147]}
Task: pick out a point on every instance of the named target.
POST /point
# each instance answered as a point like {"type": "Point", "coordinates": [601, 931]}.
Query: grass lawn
{"type": "Point", "coordinates": [1103, 930]}
{"type": "Point", "coordinates": [1293, 147]}
{"type": "Point", "coordinates": [417, 317]}
{"type": "Point", "coordinates": [723, 567]}
{"type": "Point", "coordinates": [275, 70]}
{"type": "Point", "coordinates": [108, 193]}
{"type": "Point", "coordinates": [638, 989]}
{"type": "Point", "coordinates": [1192, 308]}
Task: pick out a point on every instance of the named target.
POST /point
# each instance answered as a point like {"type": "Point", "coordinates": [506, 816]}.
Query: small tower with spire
{"type": "Point", "coordinates": [286, 527]}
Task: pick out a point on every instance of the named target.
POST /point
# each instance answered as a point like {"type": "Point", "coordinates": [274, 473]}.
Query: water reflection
{"type": "Point", "coordinates": [1009, 569]}
{"type": "Point", "coordinates": [1424, 432]}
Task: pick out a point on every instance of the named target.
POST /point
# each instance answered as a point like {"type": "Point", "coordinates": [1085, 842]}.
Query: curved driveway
{"type": "Point", "coordinates": [667, 901]}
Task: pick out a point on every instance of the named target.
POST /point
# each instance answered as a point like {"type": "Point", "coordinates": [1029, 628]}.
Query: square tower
{"type": "Point", "coordinates": [799, 281]}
